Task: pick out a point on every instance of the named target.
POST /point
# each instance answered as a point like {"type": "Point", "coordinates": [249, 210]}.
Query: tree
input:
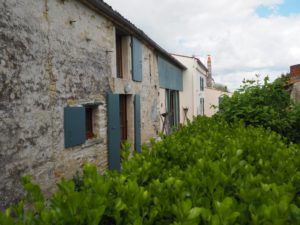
{"type": "Point", "coordinates": [267, 105]}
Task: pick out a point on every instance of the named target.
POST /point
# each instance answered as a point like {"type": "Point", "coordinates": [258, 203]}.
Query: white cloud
{"type": "Point", "coordinates": [241, 43]}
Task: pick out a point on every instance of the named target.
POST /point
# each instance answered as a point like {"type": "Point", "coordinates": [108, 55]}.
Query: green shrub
{"type": "Point", "coordinates": [268, 105]}
{"type": "Point", "coordinates": [209, 172]}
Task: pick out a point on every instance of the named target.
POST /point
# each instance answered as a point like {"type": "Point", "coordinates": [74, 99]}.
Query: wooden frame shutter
{"type": "Point", "coordinates": [74, 126]}
{"type": "Point", "coordinates": [114, 132]}
{"type": "Point", "coordinates": [136, 54]}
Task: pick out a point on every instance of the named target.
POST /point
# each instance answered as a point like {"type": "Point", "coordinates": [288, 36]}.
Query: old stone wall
{"type": "Point", "coordinates": [148, 89]}
{"type": "Point", "coordinates": [53, 53]}
{"type": "Point", "coordinates": [150, 96]}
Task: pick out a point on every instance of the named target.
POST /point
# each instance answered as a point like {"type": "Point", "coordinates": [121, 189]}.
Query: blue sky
{"type": "Point", "coordinates": [287, 8]}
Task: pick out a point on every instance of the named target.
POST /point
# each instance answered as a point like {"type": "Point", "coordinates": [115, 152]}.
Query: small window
{"type": "Point", "coordinates": [119, 60]}
{"type": "Point", "coordinates": [201, 84]}
{"type": "Point", "coordinates": [80, 124]}
{"type": "Point", "coordinates": [201, 107]}
{"type": "Point", "coordinates": [91, 117]}
{"type": "Point", "coordinates": [89, 123]}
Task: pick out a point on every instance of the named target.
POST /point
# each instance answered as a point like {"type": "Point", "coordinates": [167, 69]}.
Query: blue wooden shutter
{"type": "Point", "coordinates": [137, 123]}
{"type": "Point", "coordinates": [136, 52]}
{"type": "Point", "coordinates": [74, 126]}
{"type": "Point", "coordinates": [114, 132]}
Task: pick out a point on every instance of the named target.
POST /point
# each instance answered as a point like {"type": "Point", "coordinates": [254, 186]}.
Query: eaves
{"type": "Point", "coordinates": [107, 11]}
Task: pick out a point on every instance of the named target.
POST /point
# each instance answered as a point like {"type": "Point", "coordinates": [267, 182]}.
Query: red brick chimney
{"type": "Point", "coordinates": [295, 74]}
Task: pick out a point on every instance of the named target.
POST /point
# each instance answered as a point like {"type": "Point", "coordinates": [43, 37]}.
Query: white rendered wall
{"type": "Point", "coordinates": [191, 94]}
{"type": "Point", "coordinates": [212, 99]}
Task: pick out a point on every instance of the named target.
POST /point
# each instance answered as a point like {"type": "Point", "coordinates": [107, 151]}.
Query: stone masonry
{"type": "Point", "coordinates": [148, 89]}
{"type": "Point", "coordinates": [53, 53]}
{"type": "Point", "coordinates": [59, 53]}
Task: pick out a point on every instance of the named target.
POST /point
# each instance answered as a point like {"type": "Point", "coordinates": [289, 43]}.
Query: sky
{"type": "Point", "coordinates": [244, 37]}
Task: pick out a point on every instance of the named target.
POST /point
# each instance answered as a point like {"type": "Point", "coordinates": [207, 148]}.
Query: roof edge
{"type": "Point", "coordinates": [192, 57]}
{"type": "Point", "coordinates": [108, 12]}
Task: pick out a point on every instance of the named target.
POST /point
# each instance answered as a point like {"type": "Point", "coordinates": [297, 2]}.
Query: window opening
{"type": "Point", "coordinates": [119, 60]}
{"type": "Point", "coordinates": [123, 117]}
{"type": "Point", "coordinates": [89, 122]}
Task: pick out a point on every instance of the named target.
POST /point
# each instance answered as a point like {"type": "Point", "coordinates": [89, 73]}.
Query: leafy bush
{"type": "Point", "coordinates": [209, 172]}
{"type": "Point", "coordinates": [268, 105]}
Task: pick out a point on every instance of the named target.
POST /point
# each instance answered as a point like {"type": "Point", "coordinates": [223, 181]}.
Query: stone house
{"type": "Point", "coordinates": [76, 79]}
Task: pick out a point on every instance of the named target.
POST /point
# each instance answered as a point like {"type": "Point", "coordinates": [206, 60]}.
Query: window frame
{"type": "Point", "coordinates": [119, 54]}
{"type": "Point", "coordinates": [172, 103]}
{"type": "Point", "coordinates": [201, 107]}
{"type": "Point", "coordinates": [84, 115]}
{"type": "Point", "coordinates": [201, 83]}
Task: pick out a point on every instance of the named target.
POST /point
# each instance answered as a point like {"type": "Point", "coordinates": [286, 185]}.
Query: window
{"type": "Point", "coordinates": [201, 84]}
{"type": "Point", "coordinates": [80, 124]}
{"type": "Point", "coordinates": [201, 107]}
{"type": "Point", "coordinates": [116, 115]}
{"type": "Point", "coordinates": [119, 60]}
{"type": "Point", "coordinates": [128, 56]}
{"type": "Point", "coordinates": [123, 117]}
{"type": "Point", "coordinates": [172, 103]}
{"type": "Point", "coordinates": [89, 122]}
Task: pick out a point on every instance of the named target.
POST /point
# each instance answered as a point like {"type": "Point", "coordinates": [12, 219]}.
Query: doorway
{"type": "Point", "coordinates": [123, 118]}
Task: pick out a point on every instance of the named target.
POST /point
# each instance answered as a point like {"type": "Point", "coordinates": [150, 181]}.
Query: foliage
{"type": "Point", "coordinates": [125, 150]}
{"type": "Point", "coordinates": [209, 172]}
{"type": "Point", "coordinates": [266, 105]}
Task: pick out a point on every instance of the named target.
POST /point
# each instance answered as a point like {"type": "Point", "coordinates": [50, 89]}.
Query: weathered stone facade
{"type": "Point", "coordinates": [147, 89]}
{"type": "Point", "coordinates": [56, 54]}
{"type": "Point", "coordinates": [53, 54]}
